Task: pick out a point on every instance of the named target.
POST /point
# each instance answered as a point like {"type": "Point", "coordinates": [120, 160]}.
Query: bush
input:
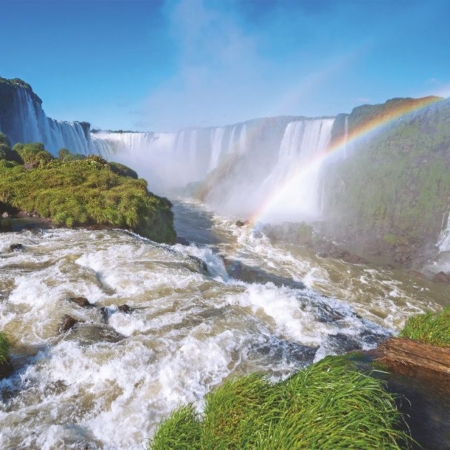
{"type": "Point", "coordinates": [85, 192]}
{"type": "Point", "coordinates": [430, 328]}
{"type": "Point", "coordinates": [33, 154]}
{"type": "Point", "coordinates": [326, 406]}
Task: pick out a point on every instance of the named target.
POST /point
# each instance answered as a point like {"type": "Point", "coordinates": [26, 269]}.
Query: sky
{"type": "Point", "coordinates": [162, 65]}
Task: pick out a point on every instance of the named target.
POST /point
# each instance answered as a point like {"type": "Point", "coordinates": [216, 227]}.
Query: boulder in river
{"type": "Point", "coordinates": [81, 301]}
{"type": "Point", "coordinates": [441, 277]}
{"type": "Point", "coordinates": [16, 247]}
{"type": "Point", "coordinates": [67, 323]}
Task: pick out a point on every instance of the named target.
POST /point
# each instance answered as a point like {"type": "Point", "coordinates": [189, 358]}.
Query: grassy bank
{"type": "Point", "coordinates": [78, 191]}
{"type": "Point", "coordinates": [429, 328]}
{"type": "Point", "coordinates": [329, 405]}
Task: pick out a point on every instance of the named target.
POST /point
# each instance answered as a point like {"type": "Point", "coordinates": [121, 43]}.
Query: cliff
{"type": "Point", "coordinates": [392, 189]}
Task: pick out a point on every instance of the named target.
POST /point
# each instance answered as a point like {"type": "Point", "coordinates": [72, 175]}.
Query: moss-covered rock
{"type": "Point", "coordinates": [84, 192]}
{"type": "Point", "coordinates": [394, 186]}
{"type": "Point", "coordinates": [5, 363]}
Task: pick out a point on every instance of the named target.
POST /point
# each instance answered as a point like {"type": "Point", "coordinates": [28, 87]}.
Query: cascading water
{"type": "Point", "coordinates": [345, 136]}
{"type": "Point", "coordinates": [234, 304]}
{"type": "Point", "coordinates": [297, 170]}
{"type": "Point", "coordinates": [216, 144]}
{"type": "Point", "coordinates": [25, 121]}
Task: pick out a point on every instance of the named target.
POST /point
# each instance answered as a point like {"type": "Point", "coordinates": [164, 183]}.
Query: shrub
{"type": "Point", "coordinates": [329, 405]}
{"type": "Point", "coordinates": [430, 328]}
{"type": "Point", "coordinates": [85, 192]}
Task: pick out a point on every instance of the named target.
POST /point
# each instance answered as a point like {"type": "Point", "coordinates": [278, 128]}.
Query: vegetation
{"type": "Point", "coordinates": [329, 405]}
{"type": "Point", "coordinates": [394, 186]}
{"type": "Point", "coordinates": [4, 349]}
{"type": "Point", "coordinates": [76, 192]}
{"type": "Point", "coordinates": [430, 328]}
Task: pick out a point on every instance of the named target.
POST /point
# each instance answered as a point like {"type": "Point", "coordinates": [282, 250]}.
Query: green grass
{"type": "Point", "coordinates": [4, 349]}
{"type": "Point", "coordinates": [329, 405]}
{"type": "Point", "coordinates": [430, 328]}
{"type": "Point", "coordinates": [85, 192]}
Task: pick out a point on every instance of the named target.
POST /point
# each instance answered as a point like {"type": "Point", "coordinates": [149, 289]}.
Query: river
{"type": "Point", "coordinates": [230, 303]}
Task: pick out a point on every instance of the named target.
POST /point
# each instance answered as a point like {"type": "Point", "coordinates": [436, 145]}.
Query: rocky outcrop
{"type": "Point", "coordinates": [391, 189]}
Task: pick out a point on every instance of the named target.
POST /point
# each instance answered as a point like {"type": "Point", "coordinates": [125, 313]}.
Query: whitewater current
{"type": "Point", "coordinates": [229, 303]}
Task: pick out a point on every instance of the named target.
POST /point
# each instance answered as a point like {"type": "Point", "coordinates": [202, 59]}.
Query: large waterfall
{"type": "Point", "coordinates": [263, 164]}
{"type": "Point", "coordinates": [239, 166]}
{"type": "Point", "coordinates": [172, 160]}
{"type": "Point", "coordinates": [22, 119]}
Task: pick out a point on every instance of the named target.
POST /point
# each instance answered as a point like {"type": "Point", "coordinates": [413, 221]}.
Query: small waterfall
{"type": "Point", "coordinates": [443, 242]}
{"type": "Point", "coordinates": [231, 143]}
{"type": "Point", "coordinates": [242, 139]}
{"type": "Point", "coordinates": [345, 136]}
{"type": "Point", "coordinates": [216, 147]}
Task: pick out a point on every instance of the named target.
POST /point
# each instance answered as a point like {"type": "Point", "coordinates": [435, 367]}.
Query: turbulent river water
{"type": "Point", "coordinates": [229, 303]}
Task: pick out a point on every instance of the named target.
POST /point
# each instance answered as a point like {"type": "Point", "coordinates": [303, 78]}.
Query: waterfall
{"type": "Point", "coordinates": [216, 144]}
{"type": "Point", "coordinates": [443, 242]}
{"type": "Point", "coordinates": [345, 136]}
{"type": "Point", "coordinates": [231, 142]}
{"type": "Point", "coordinates": [24, 121]}
{"type": "Point", "coordinates": [242, 139]}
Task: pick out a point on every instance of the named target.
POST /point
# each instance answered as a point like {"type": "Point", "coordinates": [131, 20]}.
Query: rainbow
{"type": "Point", "coordinates": [392, 112]}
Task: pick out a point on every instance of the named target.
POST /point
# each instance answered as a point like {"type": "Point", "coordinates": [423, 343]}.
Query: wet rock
{"type": "Point", "coordinates": [6, 369]}
{"type": "Point", "coordinates": [88, 334]}
{"type": "Point", "coordinates": [279, 350]}
{"type": "Point", "coordinates": [182, 241]}
{"type": "Point", "coordinates": [353, 259]}
{"type": "Point", "coordinates": [16, 247]}
{"type": "Point", "coordinates": [200, 263]}
{"type": "Point", "coordinates": [416, 274]}
{"type": "Point", "coordinates": [441, 277]}
{"type": "Point", "coordinates": [125, 309]}
{"type": "Point", "coordinates": [81, 301]}
{"type": "Point", "coordinates": [328, 250]}
{"type": "Point", "coordinates": [251, 274]}
{"type": "Point", "coordinates": [241, 223]}
{"type": "Point", "coordinates": [67, 323]}
{"type": "Point", "coordinates": [104, 312]}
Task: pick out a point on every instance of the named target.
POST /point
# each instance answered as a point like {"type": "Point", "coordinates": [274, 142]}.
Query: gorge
{"type": "Point", "coordinates": [232, 297]}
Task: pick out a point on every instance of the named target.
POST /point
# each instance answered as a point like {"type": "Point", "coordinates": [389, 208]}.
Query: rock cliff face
{"type": "Point", "coordinates": [392, 188]}
{"type": "Point", "coordinates": [22, 119]}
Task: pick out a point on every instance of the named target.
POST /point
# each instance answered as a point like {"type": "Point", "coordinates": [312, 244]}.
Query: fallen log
{"type": "Point", "coordinates": [401, 351]}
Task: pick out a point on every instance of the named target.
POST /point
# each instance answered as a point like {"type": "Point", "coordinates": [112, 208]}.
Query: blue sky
{"type": "Point", "coordinates": [161, 65]}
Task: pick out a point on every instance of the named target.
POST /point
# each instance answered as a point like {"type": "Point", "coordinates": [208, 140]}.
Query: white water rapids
{"type": "Point", "coordinates": [230, 303]}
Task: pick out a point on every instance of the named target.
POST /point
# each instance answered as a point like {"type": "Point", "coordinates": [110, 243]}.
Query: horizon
{"type": "Point", "coordinates": [165, 65]}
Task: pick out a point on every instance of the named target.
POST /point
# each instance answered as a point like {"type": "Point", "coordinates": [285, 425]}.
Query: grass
{"type": "Point", "coordinates": [329, 405]}
{"type": "Point", "coordinates": [4, 349]}
{"type": "Point", "coordinates": [84, 192]}
{"type": "Point", "coordinates": [430, 328]}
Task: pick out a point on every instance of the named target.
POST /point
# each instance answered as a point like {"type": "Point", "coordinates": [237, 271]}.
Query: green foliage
{"type": "Point", "coordinates": [182, 430]}
{"type": "Point", "coordinates": [4, 349]}
{"type": "Point", "coordinates": [395, 184]}
{"type": "Point", "coordinates": [33, 153]}
{"type": "Point", "coordinates": [84, 192]}
{"type": "Point", "coordinates": [122, 170]}
{"type": "Point", "coordinates": [430, 328]}
{"type": "Point", "coordinates": [65, 155]}
{"type": "Point", "coordinates": [5, 140]}
{"type": "Point", "coordinates": [329, 405]}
